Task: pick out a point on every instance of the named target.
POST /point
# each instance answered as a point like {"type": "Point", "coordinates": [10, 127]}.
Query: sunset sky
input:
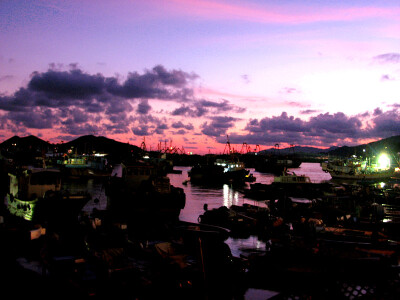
{"type": "Point", "coordinates": [190, 72]}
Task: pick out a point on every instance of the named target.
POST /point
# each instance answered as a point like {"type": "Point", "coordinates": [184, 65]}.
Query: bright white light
{"type": "Point", "coordinates": [383, 162]}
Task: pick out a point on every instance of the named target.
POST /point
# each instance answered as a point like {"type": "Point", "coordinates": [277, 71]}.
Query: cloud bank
{"type": "Point", "coordinates": [72, 103]}
{"type": "Point", "coordinates": [320, 130]}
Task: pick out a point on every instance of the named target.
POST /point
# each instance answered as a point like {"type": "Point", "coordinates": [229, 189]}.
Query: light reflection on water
{"type": "Point", "coordinates": [231, 197]}
{"type": "Point", "coordinates": [228, 195]}
{"type": "Point", "coordinates": [214, 196]}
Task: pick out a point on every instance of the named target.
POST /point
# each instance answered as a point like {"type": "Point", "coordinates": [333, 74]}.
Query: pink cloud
{"type": "Point", "coordinates": [272, 14]}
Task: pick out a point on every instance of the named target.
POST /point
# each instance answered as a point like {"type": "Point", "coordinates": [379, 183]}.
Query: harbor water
{"type": "Point", "coordinates": [198, 195]}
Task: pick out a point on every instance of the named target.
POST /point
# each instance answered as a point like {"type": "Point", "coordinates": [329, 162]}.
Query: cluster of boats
{"type": "Point", "coordinates": [339, 235]}
{"type": "Point", "coordinates": [137, 246]}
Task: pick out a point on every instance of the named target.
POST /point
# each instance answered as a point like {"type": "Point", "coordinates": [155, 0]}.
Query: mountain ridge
{"type": "Point", "coordinates": [90, 143]}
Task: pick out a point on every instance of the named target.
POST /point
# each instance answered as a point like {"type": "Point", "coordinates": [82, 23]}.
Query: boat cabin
{"type": "Point", "coordinates": [34, 183]}
{"type": "Point", "coordinates": [133, 175]}
{"type": "Point", "coordinates": [229, 166]}
{"type": "Point", "coordinates": [292, 178]}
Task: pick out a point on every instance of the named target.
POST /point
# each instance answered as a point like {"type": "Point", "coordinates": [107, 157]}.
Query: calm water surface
{"type": "Point", "coordinates": [214, 197]}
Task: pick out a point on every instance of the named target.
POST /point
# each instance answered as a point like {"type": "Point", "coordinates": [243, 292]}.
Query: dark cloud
{"type": "Point", "coordinates": [180, 132]}
{"type": "Point", "coordinates": [218, 126]}
{"type": "Point", "coordinates": [338, 123]}
{"type": "Point", "coordinates": [73, 84]}
{"type": "Point", "coordinates": [156, 83]}
{"type": "Point", "coordinates": [82, 129]}
{"type": "Point", "coordinates": [185, 110]}
{"type": "Point", "coordinates": [75, 100]}
{"type": "Point", "coordinates": [178, 125]}
{"type": "Point", "coordinates": [37, 119]}
{"type": "Point", "coordinates": [56, 88]}
{"type": "Point", "coordinates": [203, 107]}
{"type": "Point", "coordinates": [160, 128]}
{"type": "Point", "coordinates": [222, 106]}
{"type": "Point", "coordinates": [141, 130]}
{"type": "Point", "coordinates": [387, 58]}
{"type": "Point", "coordinates": [386, 124]}
{"type": "Point", "coordinates": [280, 123]}
{"type": "Point", "coordinates": [77, 97]}
{"type": "Point", "coordinates": [377, 111]}
{"type": "Point", "coordinates": [143, 107]}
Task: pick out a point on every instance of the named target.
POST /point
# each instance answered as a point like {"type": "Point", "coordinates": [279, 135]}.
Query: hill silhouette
{"type": "Point", "coordinates": [88, 144]}
{"type": "Point", "coordinates": [28, 143]}
{"type": "Point", "coordinates": [390, 145]}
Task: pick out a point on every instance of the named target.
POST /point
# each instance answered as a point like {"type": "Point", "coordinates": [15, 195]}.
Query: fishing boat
{"type": "Point", "coordinates": [221, 171]}
{"type": "Point", "coordinates": [234, 170]}
{"type": "Point", "coordinates": [227, 168]}
{"type": "Point", "coordinates": [359, 169]}
{"type": "Point", "coordinates": [35, 194]}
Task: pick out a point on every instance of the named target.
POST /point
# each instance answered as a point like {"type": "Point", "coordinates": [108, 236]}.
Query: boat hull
{"type": "Point", "coordinates": [55, 207]}
{"type": "Point", "coordinates": [27, 210]}
{"type": "Point", "coordinates": [216, 174]}
{"type": "Point", "coordinates": [371, 176]}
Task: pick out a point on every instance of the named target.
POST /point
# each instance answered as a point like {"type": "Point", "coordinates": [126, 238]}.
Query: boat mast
{"type": "Point", "coordinates": [228, 145]}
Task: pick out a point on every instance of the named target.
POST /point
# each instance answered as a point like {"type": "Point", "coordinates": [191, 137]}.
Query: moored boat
{"type": "Point", "coordinates": [222, 171]}
{"type": "Point", "coordinates": [359, 169]}
{"type": "Point", "coordinates": [35, 194]}
{"type": "Point", "coordinates": [84, 166]}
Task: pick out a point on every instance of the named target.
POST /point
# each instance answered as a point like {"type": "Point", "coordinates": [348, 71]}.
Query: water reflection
{"type": "Point", "coordinates": [231, 197]}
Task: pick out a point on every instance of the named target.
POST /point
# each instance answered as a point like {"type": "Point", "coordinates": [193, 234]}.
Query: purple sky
{"type": "Point", "coordinates": [189, 73]}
